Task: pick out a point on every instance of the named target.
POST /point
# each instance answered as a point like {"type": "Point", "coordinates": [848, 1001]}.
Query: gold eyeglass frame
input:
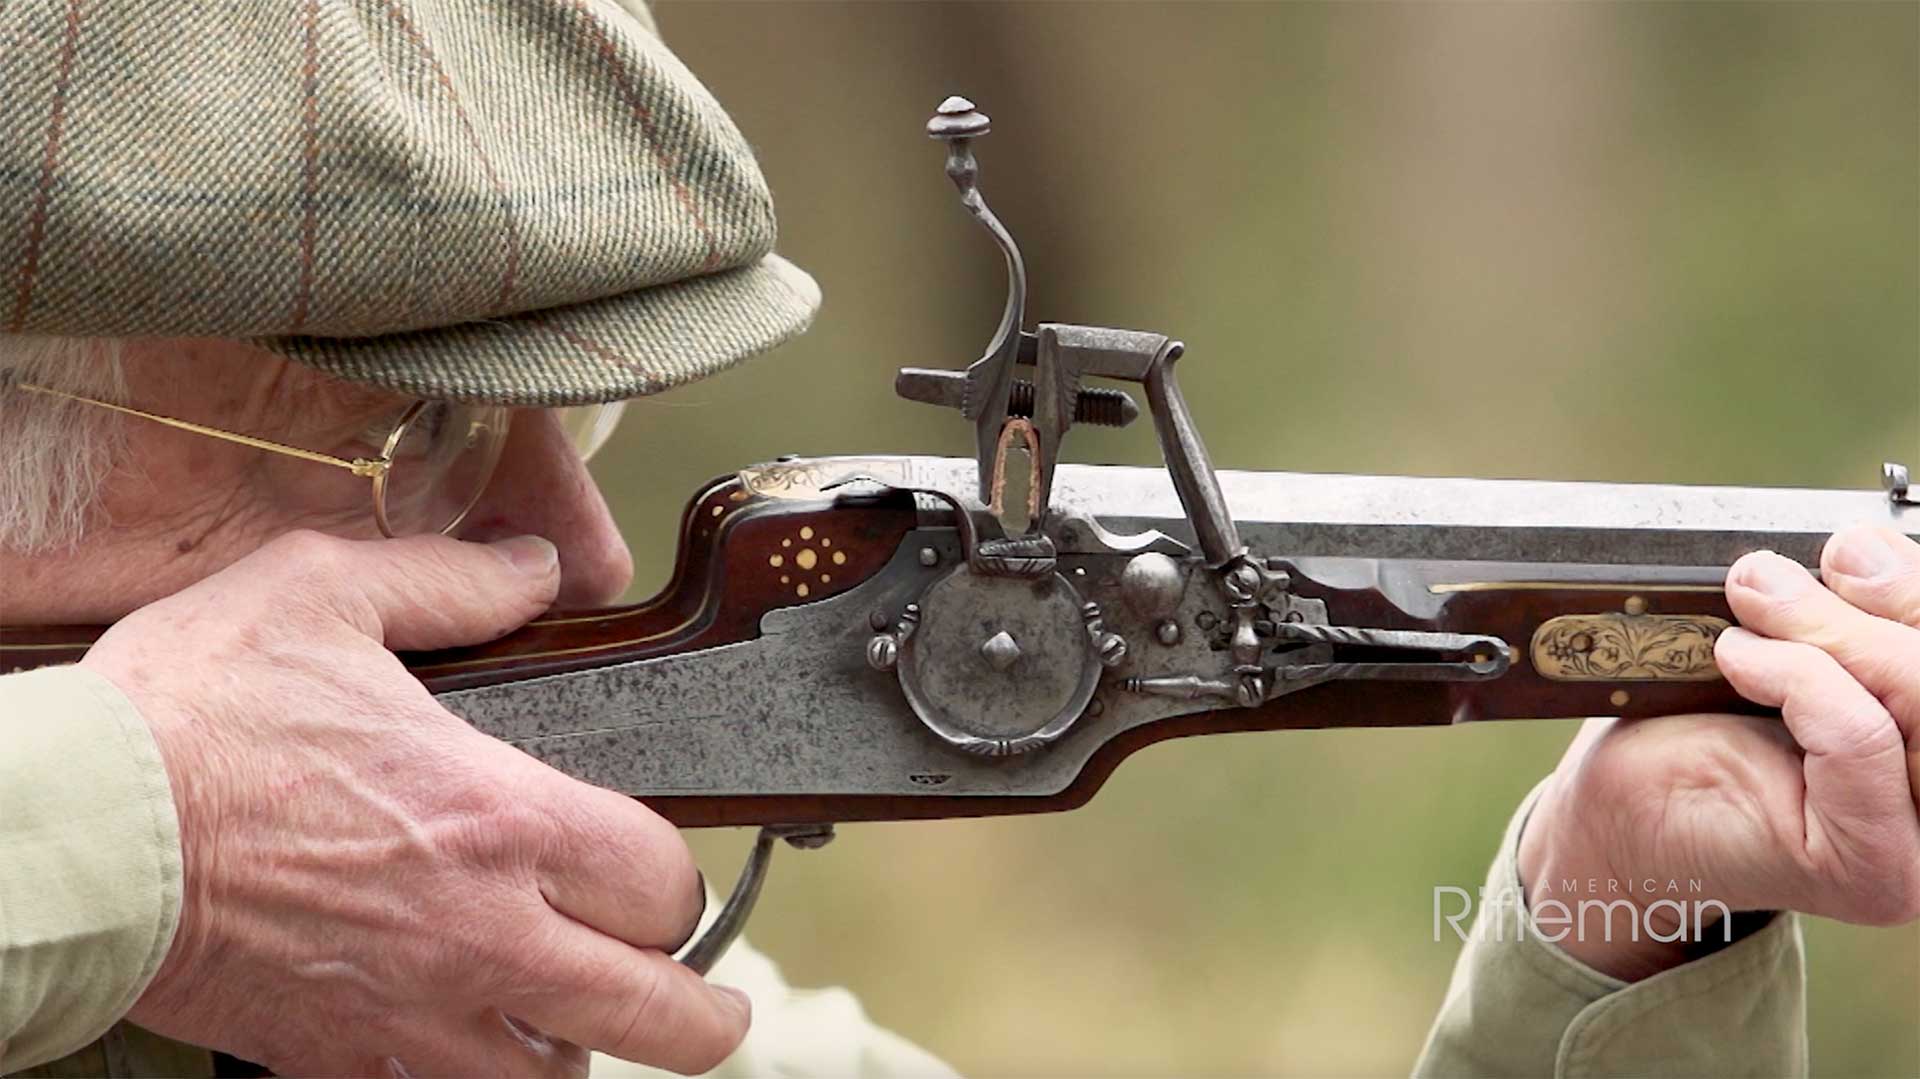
{"type": "Point", "coordinates": [375, 469]}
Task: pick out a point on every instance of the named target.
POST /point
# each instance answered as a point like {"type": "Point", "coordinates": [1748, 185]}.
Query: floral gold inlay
{"type": "Point", "coordinates": [1613, 647]}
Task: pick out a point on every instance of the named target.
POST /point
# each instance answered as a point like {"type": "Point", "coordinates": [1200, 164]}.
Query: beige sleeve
{"type": "Point", "coordinates": [1519, 1005]}
{"type": "Point", "coordinates": [89, 862]}
{"type": "Point", "coordinates": [797, 1033]}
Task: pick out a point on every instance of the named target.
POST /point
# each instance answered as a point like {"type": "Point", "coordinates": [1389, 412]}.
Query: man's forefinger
{"type": "Point", "coordinates": [611, 863]}
{"type": "Point", "coordinates": [1778, 598]}
{"type": "Point", "coordinates": [634, 1003]}
{"type": "Point", "coordinates": [1876, 570]}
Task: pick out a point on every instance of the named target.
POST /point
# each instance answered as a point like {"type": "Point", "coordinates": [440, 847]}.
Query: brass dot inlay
{"type": "Point", "coordinates": [825, 542]}
{"type": "Point", "coordinates": [839, 558]}
{"type": "Point", "coordinates": [1636, 605]}
{"type": "Point", "coordinates": [718, 510]}
{"type": "Point", "coordinates": [784, 578]}
{"type": "Point", "coordinates": [738, 496]}
{"type": "Point", "coordinates": [806, 558]}
{"type": "Point", "coordinates": [776, 561]}
{"type": "Point", "coordinates": [806, 533]}
{"type": "Point", "coordinates": [1619, 698]}
{"type": "Point", "coordinates": [826, 578]}
{"type": "Point", "coordinates": [800, 589]}
{"type": "Point", "coordinates": [786, 543]}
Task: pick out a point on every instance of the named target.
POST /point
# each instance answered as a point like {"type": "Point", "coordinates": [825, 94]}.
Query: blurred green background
{"type": "Point", "coordinates": [1609, 242]}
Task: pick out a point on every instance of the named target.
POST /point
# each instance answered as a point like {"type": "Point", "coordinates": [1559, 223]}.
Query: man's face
{"type": "Point", "coordinates": [179, 506]}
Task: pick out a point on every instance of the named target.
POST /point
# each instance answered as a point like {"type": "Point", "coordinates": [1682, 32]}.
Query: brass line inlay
{"type": "Point", "coordinates": [1614, 647]}
{"type": "Point", "coordinates": [5, 647]}
{"type": "Point", "coordinates": [1568, 586]}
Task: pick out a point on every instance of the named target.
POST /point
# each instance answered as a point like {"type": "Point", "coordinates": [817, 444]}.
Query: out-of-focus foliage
{"type": "Point", "coordinates": [1612, 242]}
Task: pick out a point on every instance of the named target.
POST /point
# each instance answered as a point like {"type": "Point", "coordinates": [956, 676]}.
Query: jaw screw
{"type": "Point", "coordinates": [957, 123]}
{"type": "Point", "coordinates": [957, 118]}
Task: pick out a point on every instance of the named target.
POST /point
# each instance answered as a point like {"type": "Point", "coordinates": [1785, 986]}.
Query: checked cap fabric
{"type": "Point", "coordinates": [527, 202]}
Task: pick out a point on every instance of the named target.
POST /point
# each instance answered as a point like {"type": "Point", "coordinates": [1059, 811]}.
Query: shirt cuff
{"type": "Point", "coordinates": [1519, 1005]}
{"type": "Point", "coordinates": [90, 874]}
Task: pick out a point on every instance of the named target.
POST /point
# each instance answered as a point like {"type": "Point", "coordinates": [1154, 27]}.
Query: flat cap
{"type": "Point", "coordinates": [527, 202]}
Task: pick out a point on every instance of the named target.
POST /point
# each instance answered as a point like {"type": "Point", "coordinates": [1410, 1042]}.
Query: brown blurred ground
{"type": "Point", "coordinates": [1612, 242]}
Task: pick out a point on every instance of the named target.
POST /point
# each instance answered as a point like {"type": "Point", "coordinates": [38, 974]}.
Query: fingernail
{"type": "Point", "coordinates": [1773, 575]}
{"type": "Point", "coordinates": [1863, 553]}
{"type": "Point", "coordinates": [531, 555]}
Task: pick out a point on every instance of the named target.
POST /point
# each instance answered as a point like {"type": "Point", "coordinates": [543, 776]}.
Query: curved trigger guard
{"type": "Point", "coordinates": [703, 953]}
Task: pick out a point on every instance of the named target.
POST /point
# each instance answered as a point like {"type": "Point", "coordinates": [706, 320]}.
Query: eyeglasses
{"type": "Point", "coordinates": [435, 458]}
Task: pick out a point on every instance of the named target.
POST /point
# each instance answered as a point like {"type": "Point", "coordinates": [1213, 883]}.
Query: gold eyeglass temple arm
{"type": "Point", "coordinates": [359, 466]}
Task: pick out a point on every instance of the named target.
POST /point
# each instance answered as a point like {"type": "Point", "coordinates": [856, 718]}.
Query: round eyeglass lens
{"type": "Point", "coordinates": [442, 456]}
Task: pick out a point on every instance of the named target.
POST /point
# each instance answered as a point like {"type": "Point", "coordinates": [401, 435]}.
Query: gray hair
{"type": "Point", "coordinates": [55, 453]}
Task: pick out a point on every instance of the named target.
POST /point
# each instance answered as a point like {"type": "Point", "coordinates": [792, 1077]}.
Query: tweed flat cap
{"type": "Point", "coordinates": [526, 202]}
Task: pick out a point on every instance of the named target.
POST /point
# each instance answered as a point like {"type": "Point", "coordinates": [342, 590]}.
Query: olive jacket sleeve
{"type": "Point", "coordinates": [1519, 1005]}
{"type": "Point", "coordinates": [90, 883]}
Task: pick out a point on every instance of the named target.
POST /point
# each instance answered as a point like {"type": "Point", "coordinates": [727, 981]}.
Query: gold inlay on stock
{"type": "Point", "coordinates": [1609, 646]}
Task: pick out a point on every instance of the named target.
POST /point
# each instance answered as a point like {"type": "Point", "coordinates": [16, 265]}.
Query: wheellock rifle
{"type": "Point", "coordinates": [902, 637]}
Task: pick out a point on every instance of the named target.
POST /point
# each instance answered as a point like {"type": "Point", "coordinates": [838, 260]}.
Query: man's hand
{"type": "Point", "coordinates": [372, 886]}
{"type": "Point", "coordinates": [1815, 814]}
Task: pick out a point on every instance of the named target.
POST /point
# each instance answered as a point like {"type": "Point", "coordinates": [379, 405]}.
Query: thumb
{"type": "Point", "coordinates": [424, 592]}
{"type": "Point", "coordinates": [440, 592]}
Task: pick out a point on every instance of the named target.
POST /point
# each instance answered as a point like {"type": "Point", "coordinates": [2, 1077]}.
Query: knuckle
{"type": "Point", "coordinates": [303, 548]}
{"type": "Point", "coordinates": [481, 822]}
{"type": "Point", "coordinates": [436, 558]}
{"type": "Point", "coordinates": [316, 582]}
{"type": "Point", "coordinates": [1875, 658]}
{"type": "Point", "coordinates": [656, 847]}
{"type": "Point", "coordinates": [642, 1012]}
{"type": "Point", "coordinates": [498, 949]}
{"type": "Point", "coordinates": [666, 852]}
{"type": "Point", "coordinates": [1860, 726]}
{"type": "Point", "coordinates": [1808, 668]}
{"type": "Point", "coordinates": [492, 828]}
{"type": "Point", "coordinates": [657, 1022]}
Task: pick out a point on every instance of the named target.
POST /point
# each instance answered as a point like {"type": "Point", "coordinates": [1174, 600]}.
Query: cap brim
{"type": "Point", "coordinates": [629, 345]}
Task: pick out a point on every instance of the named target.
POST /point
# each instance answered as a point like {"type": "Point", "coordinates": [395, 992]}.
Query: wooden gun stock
{"type": "Point", "coordinates": [1627, 641]}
